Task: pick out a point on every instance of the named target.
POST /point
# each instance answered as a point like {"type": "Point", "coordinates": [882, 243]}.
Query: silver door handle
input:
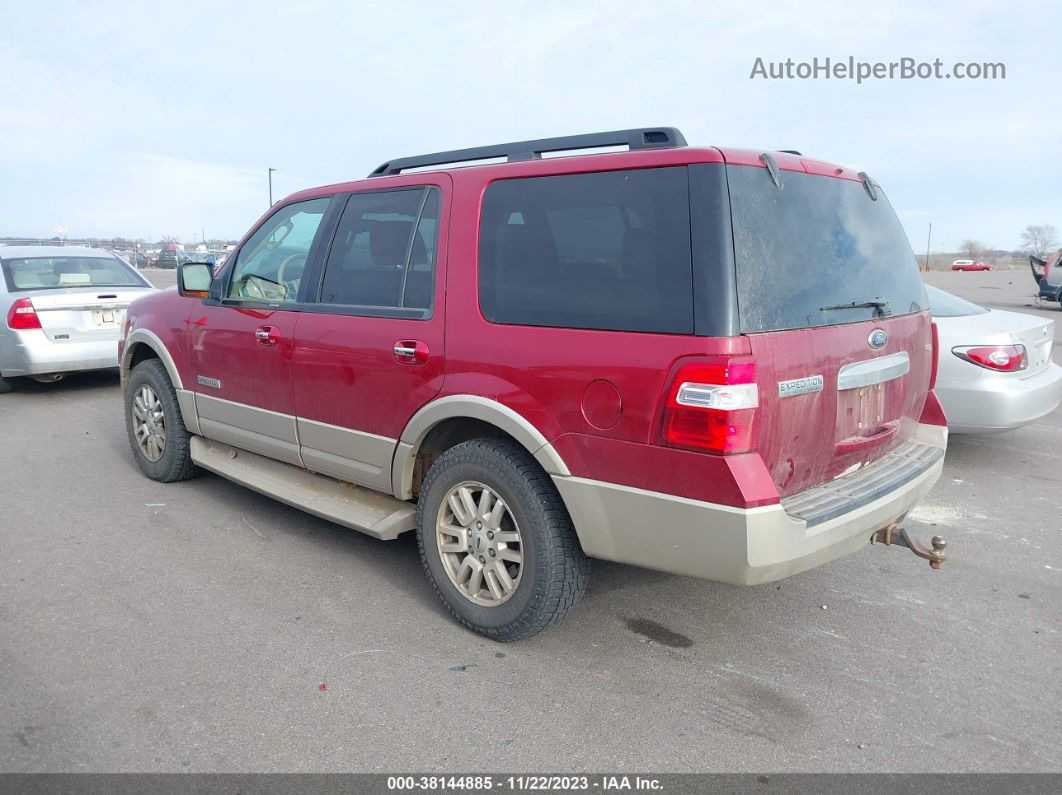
{"type": "Point", "coordinates": [402, 350]}
{"type": "Point", "coordinates": [261, 334]}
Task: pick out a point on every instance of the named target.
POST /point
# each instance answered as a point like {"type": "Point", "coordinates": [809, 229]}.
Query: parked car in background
{"type": "Point", "coordinates": [509, 360]}
{"type": "Point", "coordinates": [970, 265]}
{"type": "Point", "coordinates": [63, 308]}
{"type": "Point", "coordinates": [136, 259]}
{"type": "Point", "coordinates": [995, 369]}
{"type": "Point", "coordinates": [171, 256]}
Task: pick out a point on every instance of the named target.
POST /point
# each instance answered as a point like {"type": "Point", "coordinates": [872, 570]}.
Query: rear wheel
{"type": "Point", "coordinates": [5, 385]}
{"type": "Point", "coordinates": [154, 424]}
{"type": "Point", "coordinates": [496, 541]}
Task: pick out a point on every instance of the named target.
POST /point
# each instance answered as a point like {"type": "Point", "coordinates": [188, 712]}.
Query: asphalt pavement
{"type": "Point", "coordinates": [200, 626]}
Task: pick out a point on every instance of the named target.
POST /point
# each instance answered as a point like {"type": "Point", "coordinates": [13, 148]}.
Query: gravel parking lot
{"type": "Point", "coordinates": [200, 626]}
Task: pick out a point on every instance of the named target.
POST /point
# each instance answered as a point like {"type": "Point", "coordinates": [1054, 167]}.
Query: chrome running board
{"type": "Point", "coordinates": [379, 515]}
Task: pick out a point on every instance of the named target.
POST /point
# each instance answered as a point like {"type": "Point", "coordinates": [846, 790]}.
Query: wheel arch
{"type": "Point", "coordinates": [137, 347]}
{"type": "Point", "coordinates": [457, 418]}
{"type": "Point", "coordinates": [142, 344]}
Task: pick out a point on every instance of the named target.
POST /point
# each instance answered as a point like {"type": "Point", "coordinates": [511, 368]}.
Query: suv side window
{"type": "Point", "coordinates": [269, 266]}
{"type": "Point", "coordinates": [384, 250]}
{"type": "Point", "coordinates": [608, 250]}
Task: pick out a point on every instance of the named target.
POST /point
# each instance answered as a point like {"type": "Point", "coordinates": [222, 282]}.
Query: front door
{"type": "Point", "coordinates": [241, 340]}
{"type": "Point", "coordinates": [370, 352]}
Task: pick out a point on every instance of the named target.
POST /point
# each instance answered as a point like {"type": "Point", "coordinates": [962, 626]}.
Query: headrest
{"type": "Point", "coordinates": [388, 241]}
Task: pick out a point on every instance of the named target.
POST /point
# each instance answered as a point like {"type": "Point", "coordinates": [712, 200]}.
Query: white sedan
{"type": "Point", "coordinates": [64, 307]}
{"type": "Point", "coordinates": [994, 369]}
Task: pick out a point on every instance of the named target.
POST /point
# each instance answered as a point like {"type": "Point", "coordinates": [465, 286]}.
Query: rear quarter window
{"type": "Point", "coordinates": [608, 250]}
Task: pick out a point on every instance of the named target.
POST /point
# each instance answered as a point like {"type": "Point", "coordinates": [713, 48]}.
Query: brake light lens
{"type": "Point", "coordinates": [1001, 358]}
{"type": "Point", "coordinates": [711, 406]}
{"type": "Point", "coordinates": [22, 315]}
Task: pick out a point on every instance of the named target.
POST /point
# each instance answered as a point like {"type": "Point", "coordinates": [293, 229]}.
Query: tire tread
{"type": "Point", "coordinates": [567, 567]}
{"type": "Point", "coordinates": [178, 465]}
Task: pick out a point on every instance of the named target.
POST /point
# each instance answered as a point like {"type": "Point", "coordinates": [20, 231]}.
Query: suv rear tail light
{"type": "Point", "coordinates": [711, 406]}
{"type": "Point", "coordinates": [22, 315]}
{"type": "Point", "coordinates": [1002, 358]}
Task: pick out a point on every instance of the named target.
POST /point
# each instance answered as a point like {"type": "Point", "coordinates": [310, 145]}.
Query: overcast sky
{"type": "Point", "coordinates": [147, 119]}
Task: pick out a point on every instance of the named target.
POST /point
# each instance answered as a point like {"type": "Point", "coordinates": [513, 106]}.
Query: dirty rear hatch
{"type": "Point", "coordinates": [834, 308]}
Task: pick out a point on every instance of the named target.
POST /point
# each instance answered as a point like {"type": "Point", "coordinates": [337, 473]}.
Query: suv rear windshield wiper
{"type": "Point", "coordinates": [878, 304]}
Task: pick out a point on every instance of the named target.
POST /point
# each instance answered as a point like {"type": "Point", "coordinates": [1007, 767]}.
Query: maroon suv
{"type": "Point", "coordinates": [713, 362]}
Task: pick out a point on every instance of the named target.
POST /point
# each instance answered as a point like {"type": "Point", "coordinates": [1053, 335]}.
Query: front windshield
{"type": "Point", "coordinates": [53, 273]}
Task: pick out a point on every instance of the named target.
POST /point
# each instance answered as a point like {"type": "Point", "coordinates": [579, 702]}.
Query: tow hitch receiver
{"type": "Point", "coordinates": [900, 537]}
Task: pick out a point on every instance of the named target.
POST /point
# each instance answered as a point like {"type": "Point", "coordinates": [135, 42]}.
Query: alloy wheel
{"type": "Point", "coordinates": [149, 423]}
{"type": "Point", "coordinates": [479, 543]}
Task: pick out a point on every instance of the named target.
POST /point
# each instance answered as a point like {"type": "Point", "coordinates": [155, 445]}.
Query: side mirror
{"type": "Point", "coordinates": [193, 279]}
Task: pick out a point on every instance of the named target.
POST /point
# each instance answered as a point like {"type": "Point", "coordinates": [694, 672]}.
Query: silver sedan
{"type": "Point", "coordinates": [62, 309]}
{"type": "Point", "coordinates": [994, 368]}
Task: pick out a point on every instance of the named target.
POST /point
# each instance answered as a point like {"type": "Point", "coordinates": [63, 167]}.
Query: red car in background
{"type": "Point", "coordinates": [970, 265]}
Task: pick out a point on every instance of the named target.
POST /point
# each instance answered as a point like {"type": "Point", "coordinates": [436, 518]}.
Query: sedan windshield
{"type": "Point", "coordinates": [51, 273]}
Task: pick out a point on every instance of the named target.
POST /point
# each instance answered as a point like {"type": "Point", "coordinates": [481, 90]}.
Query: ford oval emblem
{"type": "Point", "coordinates": [877, 338]}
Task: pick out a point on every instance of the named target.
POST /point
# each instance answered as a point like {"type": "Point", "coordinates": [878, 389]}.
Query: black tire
{"type": "Point", "coordinates": [554, 570]}
{"type": "Point", "coordinates": [5, 386]}
{"type": "Point", "coordinates": [175, 462]}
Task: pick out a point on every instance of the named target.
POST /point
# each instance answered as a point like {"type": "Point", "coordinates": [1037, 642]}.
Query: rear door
{"type": "Point", "coordinates": [834, 308]}
{"type": "Point", "coordinates": [369, 348]}
{"type": "Point", "coordinates": [240, 340]}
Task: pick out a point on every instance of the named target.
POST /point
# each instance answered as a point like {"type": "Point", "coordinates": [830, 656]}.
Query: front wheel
{"type": "Point", "coordinates": [496, 541]}
{"type": "Point", "coordinates": [5, 386]}
{"type": "Point", "coordinates": [154, 424]}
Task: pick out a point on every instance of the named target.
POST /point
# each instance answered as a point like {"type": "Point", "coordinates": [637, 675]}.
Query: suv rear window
{"type": "Point", "coordinates": [608, 250]}
{"type": "Point", "coordinates": [817, 242]}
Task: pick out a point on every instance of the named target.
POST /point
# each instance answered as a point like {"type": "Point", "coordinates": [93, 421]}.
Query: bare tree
{"type": "Point", "coordinates": [1039, 239]}
{"type": "Point", "coordinates": [973, 249]}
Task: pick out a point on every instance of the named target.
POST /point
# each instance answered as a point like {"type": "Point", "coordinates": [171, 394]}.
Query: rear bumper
{"type": "Point", "coordinates": [30, 352]}
{"type": "Point", "coordinates": [725, 544]}
{"type": "Point", "coordinates": [1000, 403]}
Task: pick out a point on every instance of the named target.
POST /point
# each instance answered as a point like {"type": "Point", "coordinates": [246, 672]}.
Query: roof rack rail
{"type": "Point", "coordinates": [642, 138]}
{"type": "Point", "coordinates": [790, 152]}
